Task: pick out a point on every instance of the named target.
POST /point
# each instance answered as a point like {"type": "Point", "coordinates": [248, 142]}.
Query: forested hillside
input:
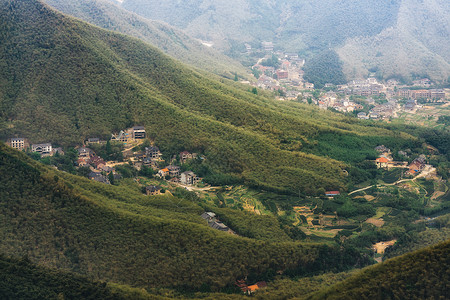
{"type": "Point", "coordinates": [423, 274]}
{"type": "Point", "coordinates": [62, 80]}
{"type": "Point", "coordinates": [21, 279]}
{"type": "Point", "coordinates": [404, 36]}
{"type": "Point", "coordinates": [168, 39]}
{"type": "Point", "coordinates": [115, 233]}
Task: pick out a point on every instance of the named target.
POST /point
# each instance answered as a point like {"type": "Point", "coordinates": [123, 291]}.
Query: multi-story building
{"type": "Point", "coordinates": [17, 143]}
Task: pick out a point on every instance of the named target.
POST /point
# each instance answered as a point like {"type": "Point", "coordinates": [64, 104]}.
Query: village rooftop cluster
{"type": "Point", "coordinates": [375, 100]}
{"type": "Point", "coordinates": [105, 171]}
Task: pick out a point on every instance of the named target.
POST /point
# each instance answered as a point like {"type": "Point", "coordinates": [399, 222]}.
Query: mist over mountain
{"type": "Point", "coordinates": [167, 38]}
{"type": "Point", "coordinates": [393, 37]}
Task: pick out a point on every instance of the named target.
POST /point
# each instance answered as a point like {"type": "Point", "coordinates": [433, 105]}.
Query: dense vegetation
{"type": "Point", "coordinates": [20, 279]}
{"type": "Point", "coordinates": [419, 275]}
{"type": "Point", "coordinates": [166, 38]}
{"type": "Point", "coordinates": [324, 68]}
{"type": "Point", "coordinates": [89, 82]}
{"type": "Point", "coordinates": [392, 37]}
{"type": "Point", "coordinates": [116, 233]}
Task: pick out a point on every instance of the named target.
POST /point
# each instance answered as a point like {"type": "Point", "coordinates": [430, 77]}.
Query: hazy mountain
{"type": "Point", "coordinates": [402, 36]}
{"type": "Point", "coordinates": [163, 36]}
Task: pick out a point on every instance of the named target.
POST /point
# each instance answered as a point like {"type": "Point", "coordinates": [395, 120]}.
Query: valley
{"type": "Point", "coordinates": [138, 163]}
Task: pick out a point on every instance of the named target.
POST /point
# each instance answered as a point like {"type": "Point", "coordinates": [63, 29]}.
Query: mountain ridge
{"type": "Point", "coordinates": [69, 81]}
{"type": "Point", "coordinates": [411, 33]}
{"type": "Point", "coordinates": [163, 36]}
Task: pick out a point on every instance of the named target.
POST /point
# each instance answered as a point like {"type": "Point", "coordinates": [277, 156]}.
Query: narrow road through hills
{"type": "Point", "coordinates": [426, 171]}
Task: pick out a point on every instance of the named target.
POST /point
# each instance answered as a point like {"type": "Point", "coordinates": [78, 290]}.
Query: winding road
{"type": "Point", "coordinates": [425, 172]}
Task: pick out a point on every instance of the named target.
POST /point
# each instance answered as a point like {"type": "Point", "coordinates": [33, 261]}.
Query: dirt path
{"type": "Point", "coordinates": [426, 171]}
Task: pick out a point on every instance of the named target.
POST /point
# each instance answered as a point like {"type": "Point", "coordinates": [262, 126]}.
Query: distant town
{"type": "Point", "coordinates": [283, 74]}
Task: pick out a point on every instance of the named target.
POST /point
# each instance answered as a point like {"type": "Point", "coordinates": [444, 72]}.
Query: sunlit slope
{"type": "Point", "coordinates": [62, 80]}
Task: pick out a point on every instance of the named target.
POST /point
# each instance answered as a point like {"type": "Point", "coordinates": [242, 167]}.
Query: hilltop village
{"type": "Point", "coordinates": [283, 74]}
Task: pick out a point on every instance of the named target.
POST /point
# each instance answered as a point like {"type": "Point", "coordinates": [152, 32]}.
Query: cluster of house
{"type": "Point", "coordinates": [214, 222]}
{"type": "Point", "coordinates": [380, 111]}
{"type": "Point", "coordinates": [331, 100]}
{"type": "Point", "coordinates": [288, 77]}
{"type": "Point", "coordinates": [367, 87]}
{"type": "Point", "coordinates": [385, 161]}
{"type": "Point", "coordinates": [417, 165]}
{"type": "Point", "coordinates": [44, 150]}
{"type": "Point", "coordinates": [99, 168]}
{"type": "Point", "coordinates": [392, 88]}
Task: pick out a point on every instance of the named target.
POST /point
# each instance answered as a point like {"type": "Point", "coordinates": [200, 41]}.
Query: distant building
{"type": "Point", "coordinates": [174, 171]}
{"type": "Point", "coordinates": [267, 46]}
{"type": "Point", "coordinates": [43, 149]}
{"type": "Point", "coordinates": [219, 226]}
{"type": "Point", "coordinates": [382, 162]}
{"type": "Point", "coordinates": [209, 216]}
{"type": "Point", "coordinates": [153, 190]}
{"type": "Point", "coordinates": [138, 132]}
{"type": "Point", "coordinates": [185, 156]}
{"type": "Point", "coordinates": [189, 178]}
{"type": "Point", "coordinates": [17, 143]}
{"type": "Point", "coordinates": [92, 141]}
{"type": "Point", "coordinates": [281, 74]}
{"type": "Point", "coordinates": [163, 173]}
{"type": "Point", "coordinates": [152, 152]}
{"type": "Point", "coordinates": [362, 116]}
{"type": "Point", "coordinates": [382, 149]}
{"type": "Point", "coordinates": [332, 193]}
{"type": "Point", "coordinates": [123, 137]}
{"type": "Point", "coordinates": [84, 152]}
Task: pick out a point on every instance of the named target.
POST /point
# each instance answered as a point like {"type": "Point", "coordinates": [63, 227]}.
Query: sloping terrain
{"type": "Point", "coordinates": [165, 37]}
{"type": "Point", "coordinates": [399, 37]}
{"type": "Point", "coordinates": [423, 274]}
{"type": "Point", "coordinates": [20, 279]}
{"type": "Point", "coordinates": [417, 43]}
{"type": "Point", "coordinates": [62, 80]}
{"type": "Point", "coordinates": [116, 233]}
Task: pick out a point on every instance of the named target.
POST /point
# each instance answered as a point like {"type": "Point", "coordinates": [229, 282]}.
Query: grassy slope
{"type": "Point", "coordinates": [118, 234]}
{"type": "Point", "coordinates": [64, 80]}
{"type": "Point", "coordinates": [423, 274]}
{"type": "Point", "coordinates": [166, 38]}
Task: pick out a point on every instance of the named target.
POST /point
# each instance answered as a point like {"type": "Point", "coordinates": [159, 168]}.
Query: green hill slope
{"type": "Point", "coordinates": [423, 274]}
{"type": "Point", "coordinates": [62, 80]}
{"type": "Point", "coordinates": [20, 279]}
{"type": "Point", "coordinates": [116, 233]}
{"type": "Point", "coordinates": [404, 37]}
{"type": "Point", "coordinates": [166, 38]}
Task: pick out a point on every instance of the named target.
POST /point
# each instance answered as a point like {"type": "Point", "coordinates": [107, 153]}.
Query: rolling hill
{"type": "Point", "coordinates": [418, 275]}
{"type": "Point", "coordinates": [399, 37]}
{"type": "Point", "coordinates": [62, 80]}
{"type": "Point", "coordinates": [168, 39]}
{"type": "Point", "coordinates": [116, 233]}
